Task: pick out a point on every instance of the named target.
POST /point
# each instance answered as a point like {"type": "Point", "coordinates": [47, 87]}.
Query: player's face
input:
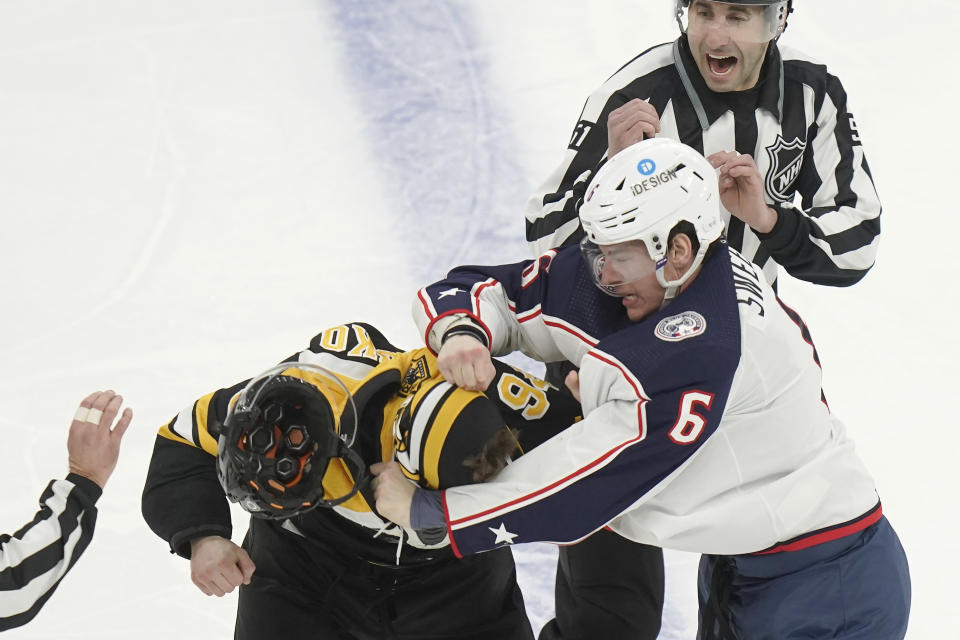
{"type": "Point", "coordinates": [727, 42]}
{"type": "Point", "coordinates": [631, 273]}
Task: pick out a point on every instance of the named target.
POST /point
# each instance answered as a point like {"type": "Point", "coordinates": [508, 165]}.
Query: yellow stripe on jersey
{"type": "Point", "coordinates": [338, 481]}
{"type": "Point", "coordinates": [390, 442]}
{"type": "Point", "coordinates": [437, 434]}
{"type": "Point", "coordinates": [198, 416]}
{"type": "Point", "coordinates": [167, 432]}
{"type": "Point", "coordinates": [332, 391]}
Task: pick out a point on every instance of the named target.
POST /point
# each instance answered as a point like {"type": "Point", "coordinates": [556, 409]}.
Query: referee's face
{"type": "Point", "coordinates": [727, 43]}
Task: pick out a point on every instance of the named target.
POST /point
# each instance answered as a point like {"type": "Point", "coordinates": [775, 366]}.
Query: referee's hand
{"type": "Point", "coordinates": [93, 444]}
{"type": "Point", "coordinates": [629, 124]}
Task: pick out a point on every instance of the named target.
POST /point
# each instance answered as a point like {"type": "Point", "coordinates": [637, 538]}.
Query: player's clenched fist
{"type": "Point", "coordinates": [393, 492]}
{"type": "Point", "coordinates": [629, 124]}
{"type": "Point", "coordinates": [465, 361]}
{"type": "Point", "coordinates": [218, 566]}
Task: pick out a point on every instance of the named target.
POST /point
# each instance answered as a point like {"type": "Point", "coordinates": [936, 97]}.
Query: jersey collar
{"type": "Point", "coordinates": [710, 105]}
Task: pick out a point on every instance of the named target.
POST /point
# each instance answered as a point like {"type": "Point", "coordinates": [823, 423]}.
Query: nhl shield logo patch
{"type": "Point", "coordinates": [785, 161]}
{"type": "Point", "coordinates": [681, 326]}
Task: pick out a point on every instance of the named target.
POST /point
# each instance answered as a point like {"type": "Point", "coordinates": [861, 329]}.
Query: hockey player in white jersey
{"type": "Point", "coordinates": [798, 195]}
{"type": "Point", "coordinates": [705, 428]}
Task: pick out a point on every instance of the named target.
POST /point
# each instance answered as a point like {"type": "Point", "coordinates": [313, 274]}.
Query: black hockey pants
{"type": "Point", "coordinates": [308, 589]}
{"type": "Point", "coordinates": [607, 587]}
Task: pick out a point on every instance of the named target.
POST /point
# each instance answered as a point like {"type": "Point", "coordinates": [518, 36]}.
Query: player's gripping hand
{"type": "Point", "coordinates": [93, 443]}
{"type": "Point", "coordinates": [629, 124]}
{"type": "Point", "coordinates": [741, 189]}
{"type": "Point", "coordinates": [218, 566]}
{"type": "Point", "coordinates": [465, 361]}
{"type": "Point", "coordinates": [572, 381]}
{"type": "Point", "coordinates": [393, 492]}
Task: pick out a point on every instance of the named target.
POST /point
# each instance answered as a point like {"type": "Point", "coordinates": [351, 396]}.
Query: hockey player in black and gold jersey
{"type": "Point", "coordinates": [340, 570]}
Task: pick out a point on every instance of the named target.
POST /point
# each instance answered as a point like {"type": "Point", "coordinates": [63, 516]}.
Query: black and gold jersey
{"type": "Point", "coordinates": [404, 410]}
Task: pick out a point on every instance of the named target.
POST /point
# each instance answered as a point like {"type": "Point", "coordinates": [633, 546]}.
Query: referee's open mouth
{"type": "Point", "coordinates": [721, 66]}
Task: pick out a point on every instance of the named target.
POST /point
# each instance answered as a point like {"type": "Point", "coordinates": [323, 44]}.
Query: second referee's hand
{"type": "Point", "coordinates": [465, 361]}
{"type": "Point", "coordinates": [93, 443]}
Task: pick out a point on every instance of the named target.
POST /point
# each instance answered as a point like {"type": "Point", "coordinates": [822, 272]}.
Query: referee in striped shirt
{"type": "Point", "coordinates": [796, 192]}
{"type": "Point", "coordinates": [717, 94]}
{"type": "Point", "coordinates": [35, 558]}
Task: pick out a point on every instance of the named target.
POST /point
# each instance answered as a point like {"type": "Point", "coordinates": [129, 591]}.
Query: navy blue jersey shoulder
{"type": "Point", "coordinates": [573, 296]}
{"type": "Point", "coordinates": [649, 346]}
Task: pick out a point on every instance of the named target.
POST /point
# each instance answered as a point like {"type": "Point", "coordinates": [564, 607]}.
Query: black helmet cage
{"type": "Point", "coordinates": [278, 439]}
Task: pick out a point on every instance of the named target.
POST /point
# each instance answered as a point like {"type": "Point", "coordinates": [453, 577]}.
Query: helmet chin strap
{"type": "Point", "coordinates": [669, 295]}
{"type": "Point", "coordinates": [361, 476]}
{"type": "Point", "coordinates": [672, 287]}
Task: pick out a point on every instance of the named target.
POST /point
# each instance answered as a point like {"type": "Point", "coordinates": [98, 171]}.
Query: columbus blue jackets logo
{"type": "Point", "coordinates": [786, 158]}
{"type": "Point", "coordinates": [681, 326]}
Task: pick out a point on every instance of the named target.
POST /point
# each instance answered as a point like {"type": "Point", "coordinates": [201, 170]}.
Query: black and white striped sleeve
{"type": "Point", "coordinates": [34, 559]}
{"type": "Point", "coordinates": [552, 212]}
{"type": "Point", "coordinates": [833, 235]}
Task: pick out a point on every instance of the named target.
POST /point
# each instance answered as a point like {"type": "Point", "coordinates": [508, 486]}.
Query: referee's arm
{"type": "Point", "coordinates": [34, 559]}
{"type": "Point", "coordinates": [833, 236]}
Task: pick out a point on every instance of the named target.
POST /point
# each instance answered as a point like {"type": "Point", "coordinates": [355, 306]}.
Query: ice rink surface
{"type": "Point", "coordinates": [190, 190]}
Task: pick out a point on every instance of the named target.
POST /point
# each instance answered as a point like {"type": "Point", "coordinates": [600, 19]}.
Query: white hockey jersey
{"type": "Point", "coordinates": [705, 428]}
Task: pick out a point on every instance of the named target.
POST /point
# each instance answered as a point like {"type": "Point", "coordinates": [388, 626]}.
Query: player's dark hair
{"type": "Point", "coordinates": [502, 446]}
{"type": "Point", "coordinates": [686, 228]}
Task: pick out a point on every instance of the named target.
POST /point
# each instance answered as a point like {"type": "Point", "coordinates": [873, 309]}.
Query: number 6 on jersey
{"type": "Point", "coordinates": [690, 424]}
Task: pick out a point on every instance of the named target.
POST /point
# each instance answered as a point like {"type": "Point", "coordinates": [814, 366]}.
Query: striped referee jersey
{"type": "Point", "coordinates": [35, 558]}
{"type": "Point", "coordinates": [795, 123]}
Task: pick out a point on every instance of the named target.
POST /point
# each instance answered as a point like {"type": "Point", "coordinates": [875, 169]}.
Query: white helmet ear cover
{"type": "Point", "coordinates": [644, 191]}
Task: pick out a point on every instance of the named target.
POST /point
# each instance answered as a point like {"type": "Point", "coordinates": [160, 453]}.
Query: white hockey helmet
{"type": "Point", "coordinates": [641, 194]}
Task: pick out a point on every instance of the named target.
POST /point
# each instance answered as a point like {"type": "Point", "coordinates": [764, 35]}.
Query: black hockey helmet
{"type": "Point", "coordinates": [279, 437]}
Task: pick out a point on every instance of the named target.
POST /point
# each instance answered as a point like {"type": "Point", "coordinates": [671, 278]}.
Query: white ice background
{"type": "Point", "coordinates": [190, 190]}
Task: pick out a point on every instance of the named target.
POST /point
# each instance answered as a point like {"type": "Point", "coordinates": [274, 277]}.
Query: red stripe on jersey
{"type": "Point", "coordinates": [478, 290]}
{"type": "Point", "coordinates": [640, 436]}
{"type": "Point", "coordinates": [533, 270]}
{"type": "Point", "coordinates": [533, 313]}
{"type": "Point", "coordinates": [425, 303]}
{"type": "Point", "coordinates": [623, 372]}
{"type": "Point", "coordinates": [828, 535]}
{"type": "Point", "coordinates": [556, 325]}
{"type": "Point", "coordinates": [446, 516]}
